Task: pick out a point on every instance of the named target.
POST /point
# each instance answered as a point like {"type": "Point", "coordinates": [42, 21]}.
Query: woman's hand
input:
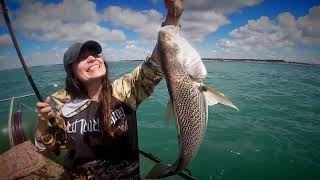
{"type": "Point", "coordinates": [174, 12]}
{"type": "Point", "coordinates": [174, 7]}
{"type": "Point", "coordinates": [44, 110]}
{"type": "Point", "coordinates": [44, 113]}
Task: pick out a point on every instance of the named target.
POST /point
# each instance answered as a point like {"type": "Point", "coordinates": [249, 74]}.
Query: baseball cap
{"type": "Point", "coordinates": [74, 51]}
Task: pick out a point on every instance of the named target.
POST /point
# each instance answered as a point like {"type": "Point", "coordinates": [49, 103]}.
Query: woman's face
{"type": "Point", "coordinates": [90, 67]}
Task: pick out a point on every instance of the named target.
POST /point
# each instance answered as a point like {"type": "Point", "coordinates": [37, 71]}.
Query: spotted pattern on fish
{"type": "Point", "coordinates": [190, 106]}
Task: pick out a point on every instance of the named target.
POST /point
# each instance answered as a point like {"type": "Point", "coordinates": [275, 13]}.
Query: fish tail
{"type": "Point", "coordinates": [160, 170]}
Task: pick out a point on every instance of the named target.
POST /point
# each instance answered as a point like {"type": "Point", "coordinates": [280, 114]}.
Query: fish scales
{"type": "Point", "coordinates": [190, 107]}
{"type": "Point", "coordinates": [189, 100]}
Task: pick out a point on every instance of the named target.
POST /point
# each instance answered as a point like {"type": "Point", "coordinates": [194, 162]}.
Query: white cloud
{"type": "Point", "coordinates": [75, 20]}
{"type": "Point", "coordinates": [286, 38]}
{"type": "Point", "coordinates": [67, 10]}
{"type": "Point", "coordinates": [128, 52]}
{"type": "Point", "coordinates": [48, 57]}
{"type": "Point", "coordinates": [68, 21]}
{"type": "Point", "coordinates": [198, 24]}
{"type": "Point", "coordinates": [203, 17]}
{"type": "Point", "coordinates": [9, 62]}
{"type": "Point", "coordinates": [5, 40]}
{"type": "Point", "coordinates": [51, 56]}
{"type": "Point", "coordinates": [220, 6]}
{"type": "Point", "coordinates": [55, 21]}
{"type": "Point", "coordinates": [310, 26]}
{"type": "Point", "coordinates": [67, 33]}
{"type": "Point", "coordinates": [146, 22]}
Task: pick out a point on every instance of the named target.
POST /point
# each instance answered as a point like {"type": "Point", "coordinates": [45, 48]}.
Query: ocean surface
{"type": "Point", "coordinates": [275, 135]}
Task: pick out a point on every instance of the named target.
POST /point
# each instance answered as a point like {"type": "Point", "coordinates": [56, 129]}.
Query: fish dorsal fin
{"type": "Point", "coordinates": [169, 113]}
{"type": "Point", "coordinates": [213, 97]}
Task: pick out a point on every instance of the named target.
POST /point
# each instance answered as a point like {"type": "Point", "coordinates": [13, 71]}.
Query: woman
{"type": "Point", "coordinates": [96, 119]}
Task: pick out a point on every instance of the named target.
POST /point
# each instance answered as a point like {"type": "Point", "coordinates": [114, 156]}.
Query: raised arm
{"type": "Point", "coordinates": [135, 87]}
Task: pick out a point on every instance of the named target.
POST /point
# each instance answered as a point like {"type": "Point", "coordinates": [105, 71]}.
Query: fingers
{"type": "Point", "coordinates": [175, 7]}
{"type": "Point", "coordinates": [58, 105]}
{"type": "Point", "coordinates": [44, 110]}
{"type": "Point", "coordinates": [48, 99]}
{"type": "Point", "coordinates": [43, 104]}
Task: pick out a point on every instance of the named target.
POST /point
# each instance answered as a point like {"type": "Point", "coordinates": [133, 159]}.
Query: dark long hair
{"type": "Point", "coordinates": [77, 90]}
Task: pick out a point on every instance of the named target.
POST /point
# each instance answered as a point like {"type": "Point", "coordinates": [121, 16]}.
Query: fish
{"type": "Point", "coordinates": [188, 104]}
{"type": "Point", "coordinates": [187, 55]}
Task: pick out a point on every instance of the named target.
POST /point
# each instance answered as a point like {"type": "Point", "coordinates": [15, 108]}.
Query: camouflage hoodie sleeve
{"type": "Point", "coordinates": [135, 87]}
{"type": "Point", "coordinates": [131, 89]}
{"type": "Point", "coordinates": [55, 136]}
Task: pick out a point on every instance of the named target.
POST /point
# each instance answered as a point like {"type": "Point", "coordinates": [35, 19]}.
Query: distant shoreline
{"type": "Point", "coordinates": [267, 61]}
{"type": "Point", "coordinates": [274, 61]}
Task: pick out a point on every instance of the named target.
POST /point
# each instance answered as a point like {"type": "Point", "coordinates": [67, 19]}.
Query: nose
{"type": "Point", "coordinates": [91, 59]}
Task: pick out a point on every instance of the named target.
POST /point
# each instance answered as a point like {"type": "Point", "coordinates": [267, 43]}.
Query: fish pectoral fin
{"type": "Point", "coordinates": [211, 100]}
{"type": "Point", "coordinates": [213, 97]}
{"type": "Point", "coordinates": [169, 113]}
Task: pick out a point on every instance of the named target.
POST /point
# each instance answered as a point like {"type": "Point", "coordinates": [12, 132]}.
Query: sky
{"type": "Point", "coordinates": [127, 29]}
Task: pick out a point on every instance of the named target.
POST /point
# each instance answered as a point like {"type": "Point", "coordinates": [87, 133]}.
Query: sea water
{"type": "Point", "coordinates": [275, 135]}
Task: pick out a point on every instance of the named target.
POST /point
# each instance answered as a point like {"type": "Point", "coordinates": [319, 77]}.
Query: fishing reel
{"type": "Point", "coordinates": [55, 139]}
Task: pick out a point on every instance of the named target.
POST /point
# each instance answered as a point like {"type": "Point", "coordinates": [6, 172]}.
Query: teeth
{"type": "Point", "coordinates": [92, 68]}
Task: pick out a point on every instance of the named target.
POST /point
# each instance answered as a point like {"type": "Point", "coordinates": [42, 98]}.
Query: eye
{"type": "Point", "coordinates": [85, 55]}
{"type": "Point", "coordinates": [82, 58]}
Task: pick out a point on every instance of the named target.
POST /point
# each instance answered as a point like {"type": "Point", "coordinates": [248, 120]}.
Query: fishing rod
{"type": "Point", "coordinates": [14, 40]}
{"type": "Point", "coordinates": [52, 120]}
{"type": "Point", "coordinates": [23, 63]}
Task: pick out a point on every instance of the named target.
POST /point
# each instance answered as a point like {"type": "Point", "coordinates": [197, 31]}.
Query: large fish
{"type": "Point", "coordinates": [189, 99]}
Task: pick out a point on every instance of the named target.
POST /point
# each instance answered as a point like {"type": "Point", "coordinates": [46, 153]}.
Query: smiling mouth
{"type": "Point", "coordinates": [94, 67]}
